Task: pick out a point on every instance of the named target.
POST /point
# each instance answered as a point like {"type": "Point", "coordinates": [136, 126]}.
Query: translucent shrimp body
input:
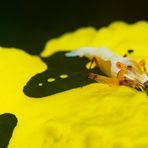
{"type": "Point", "coordinates": [133, 70]}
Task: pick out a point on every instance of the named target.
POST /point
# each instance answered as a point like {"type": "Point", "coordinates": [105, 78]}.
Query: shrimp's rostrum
{"type": "Point", "coordinates": [119, 70]}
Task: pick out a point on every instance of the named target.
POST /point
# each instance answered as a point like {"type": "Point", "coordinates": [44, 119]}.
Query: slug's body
{"type": "Point", "coordinates": [118, 70]}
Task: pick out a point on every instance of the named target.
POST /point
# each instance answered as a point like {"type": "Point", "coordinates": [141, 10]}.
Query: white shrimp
{"type": "Point", "coordinates": [119, 70]}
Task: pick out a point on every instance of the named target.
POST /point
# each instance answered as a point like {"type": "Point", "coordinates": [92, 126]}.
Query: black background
{"type": "Point", "coordinates": [28, 24]}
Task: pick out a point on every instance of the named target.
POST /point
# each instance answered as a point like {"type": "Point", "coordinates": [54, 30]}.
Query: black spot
{"type": "Point", "coordinates": [130, 51]}
{"type": "Point", "coordinates": [59, 64]}
{"type": "Point", "coordinates": [125, 55]}
{"type": "Point", "coordinates": [7, 124]}
{"type": "Point", "coordinates": [129, 67]}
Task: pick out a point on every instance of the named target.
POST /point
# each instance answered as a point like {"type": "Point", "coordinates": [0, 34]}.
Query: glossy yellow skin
{"type": "Point", "coordinates": [102, 117]}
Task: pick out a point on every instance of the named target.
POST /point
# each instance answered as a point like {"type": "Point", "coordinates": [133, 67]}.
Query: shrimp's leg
{"type": "Point", "coordinates": [93, 60]}
{"type": "Point", "coordinates": [100, 78]}
{"type": "Point", "coordinates": [103, 79]}
{"type": "Point", "coordinates": [122, 72]}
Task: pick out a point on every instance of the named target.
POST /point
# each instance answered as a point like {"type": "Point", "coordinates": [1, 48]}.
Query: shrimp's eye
{"type": "Point", "coordinates": [121, 65]}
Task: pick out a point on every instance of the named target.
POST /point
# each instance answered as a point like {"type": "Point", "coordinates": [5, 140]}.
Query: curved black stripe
{"type": "Point", "coordinates": [58, 64]}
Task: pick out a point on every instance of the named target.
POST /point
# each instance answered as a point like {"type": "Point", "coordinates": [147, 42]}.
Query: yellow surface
{"type": "Point", "coordinates": [94, 116]}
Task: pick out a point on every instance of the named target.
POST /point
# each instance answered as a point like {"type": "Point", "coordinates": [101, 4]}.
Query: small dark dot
{"type": "Point", "coordinates": [125, 55]}
{"type": "Point", "coordinates": [130, 51]}
{"type": "Point", "coordinates": [129, 67]}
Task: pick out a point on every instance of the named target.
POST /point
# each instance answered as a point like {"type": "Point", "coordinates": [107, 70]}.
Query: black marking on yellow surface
{"type": "Point", "coordinates": [7, 123]}
{"type": "Point", "coordinates": [59, 64]}
{"type": "Point", "coordinates": [130, 51]}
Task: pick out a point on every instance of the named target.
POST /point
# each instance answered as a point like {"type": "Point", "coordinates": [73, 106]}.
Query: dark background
{"type": "Point", "coordinates": [28, 24]}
